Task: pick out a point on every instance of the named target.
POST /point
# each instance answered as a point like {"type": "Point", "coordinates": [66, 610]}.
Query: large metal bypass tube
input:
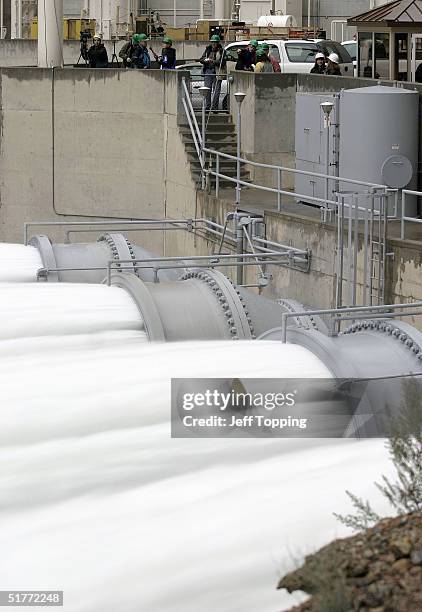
{"type": "Point", "coordinates": [375, 358]}
{"type": "Point", "coordinates": [87, 262]}
{"type": "Point", "coordinates": [203, 305]}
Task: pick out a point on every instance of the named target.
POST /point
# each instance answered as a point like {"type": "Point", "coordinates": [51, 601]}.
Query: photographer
{"type": "Point", "coordinates": [167, 59]}
{"type": "Point", "coordinates": [140, 58]}
{"type": "Point", "coordinates": [97, 54]}
{"type": "Point", "coordinates": [213, 62]}
{"type": "Point", "coordinates": [126, 52]}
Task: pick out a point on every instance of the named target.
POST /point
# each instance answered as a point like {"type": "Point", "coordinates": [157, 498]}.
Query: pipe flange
{"type": "Point", "coordinates": [144, 302]}
{"type": "Point", "coordinates": [48, 258]}
{"type": "Point", "coordinates": [310, 322]}
{"type": "Point", "coordinates": [384, 326]}
{"type": "Point", "coordinates": [229, 299]}
{"type": "Point", "coordinates": [120, 248]}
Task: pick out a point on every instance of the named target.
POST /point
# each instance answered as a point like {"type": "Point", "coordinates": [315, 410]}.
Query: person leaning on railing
{"type": "Point", "coordinates": [246, 58]}
{"type": "Point", "coordinates": [263, 63]}
{"type": "Point", "coordinates": [213, 62]}
{"type": "Point", "coordinates": [333, 65]}
{"type": "Point", "coordinates": [319, 66]}
{"type": "Point", "coordinates": [275, 64]}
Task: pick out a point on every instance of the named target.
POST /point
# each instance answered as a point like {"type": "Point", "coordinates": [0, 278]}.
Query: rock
{"type": "Point", "coordinates": [416, 556]}
{"type": "Point", "coordinates": [358, 568]}
{"type": "Point", "coordinates": [401, 546]}
{"type": "Point", "coordinates": [379, 570]}
{"type": "Point", "coordinates": [402, 565]}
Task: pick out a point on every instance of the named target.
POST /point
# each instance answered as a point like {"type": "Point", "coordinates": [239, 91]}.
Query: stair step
{"type": "Point", "coordinates": [211, 127]}
{"type": "Point", "coordinates": [229, 163]}
{"type": "Point", "coordinates": [244, 176]}
{"type": "Point", "coordinates": [224, 147]}
{"type": "Point", "coordinates": [216, 130]}
{"type": "Point", "coordinates": [223, 119]}
{"type": "Point", "coordinates": [213, 138]}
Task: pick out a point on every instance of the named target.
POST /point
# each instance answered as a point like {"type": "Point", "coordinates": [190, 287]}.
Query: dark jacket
{"type": "Point", "coordinates": [97, 56]}
{"type": "Point", "coordinates": [140, 58]}
{"type": "Point", "coordinates": [333, 71]}
{"type": "Point", "coordinates": [167, 59]}
{"type": "Point", "coordinates": [245, 59]}
{"type": "Point", "coordinates": [275, 63]}
{"type": "Point", "coordinates": [126, 52]}
{"type": "Point", "coordinates": [317, 69]}
{"type": "Point", "coordinates": [213, 67]}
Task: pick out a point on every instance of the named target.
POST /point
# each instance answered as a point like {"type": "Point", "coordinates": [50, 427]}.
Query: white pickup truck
{"type": "Point", "coordinates": [297, 56]}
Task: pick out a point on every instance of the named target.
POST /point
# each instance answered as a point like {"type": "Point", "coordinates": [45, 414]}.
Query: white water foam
{"type": "Point", "coordinates": [96, 499]}
{"type": "Point", "coordinates": [48, 309]}
{"type": "Point", "coordinates": [19, 263]}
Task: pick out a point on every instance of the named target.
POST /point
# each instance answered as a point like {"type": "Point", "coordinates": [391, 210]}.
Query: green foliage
{"type": "Point", "coordinates": [365, 517]}
{"type": "Point", "coordinates": [405, 448]}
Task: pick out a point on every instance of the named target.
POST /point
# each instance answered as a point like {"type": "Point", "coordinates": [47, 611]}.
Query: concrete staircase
{"type": "Point", "coordinates": [221, 136]}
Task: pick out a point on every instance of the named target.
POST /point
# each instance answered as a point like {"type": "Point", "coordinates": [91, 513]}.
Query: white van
{"type": "Point", "coordinates": [296, 56]}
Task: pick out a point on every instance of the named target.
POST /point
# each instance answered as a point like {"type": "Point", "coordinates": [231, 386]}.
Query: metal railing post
{"type": "Point", "coordinates": [239, 99]}
{"type": "Point", "coordinates": [238, 153]}
{"type": "Point", "coordinates": [403, 213]}
{"type": "Point", "coordinates": [284, 327]}
{"type": "Point", "coordinates": [217, 175]}
{"type": "Point", "coordinates": [340, 247]}
{"type": "Point", "coordinates": [239, 248]}
{"type": "Point", "coordinates": [278, 189]}
{"type": "Point", "coordinates": [203, 143]}
{"type": "Point", "coordinates": [355, 249]}
{"type": "Point", "coordinates": [204, 91]}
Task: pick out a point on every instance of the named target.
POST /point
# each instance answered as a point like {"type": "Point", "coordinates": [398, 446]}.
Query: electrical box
{"type": "Point", "coordinates": [373, 137]}
{"type": "Point", "coordinates": [311, 143]}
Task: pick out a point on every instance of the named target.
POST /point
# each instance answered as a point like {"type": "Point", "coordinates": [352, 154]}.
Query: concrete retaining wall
{"type": "Point", "coordinates": [82, 144]}
{"type": "Point", "coordinates": [89, 144]}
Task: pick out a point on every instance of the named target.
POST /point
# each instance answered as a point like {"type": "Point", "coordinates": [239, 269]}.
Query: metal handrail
{"type": "Point", "coordinates": [269, 189]}
{"type": "Point", "coordinates": [191, 111]}
{"type": "Point", "coordinates": [198, 146]}
{"type": "Point", "coordinates": [295, 171]}
{"type": "Point", "coordinates": [373, 312]}
{"type": "Point", "coordinates": [406, 192]}
{"type": "Point", "coordinates": [208, 261]}
{"type": "Point", "coordinates": [113, 223]}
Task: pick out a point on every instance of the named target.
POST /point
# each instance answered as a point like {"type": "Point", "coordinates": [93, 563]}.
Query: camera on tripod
{"type": "Point", "coordinates": [84, 37]}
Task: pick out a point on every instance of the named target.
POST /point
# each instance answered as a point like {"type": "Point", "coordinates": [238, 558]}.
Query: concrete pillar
{"type": "Point", "coordinates": [50, 33]}
{"type": "Point", "coordinates": [219, 12]}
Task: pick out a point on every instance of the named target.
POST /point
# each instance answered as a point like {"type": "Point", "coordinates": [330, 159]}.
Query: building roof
{"type": "Point", "coordinates": [399, 12]}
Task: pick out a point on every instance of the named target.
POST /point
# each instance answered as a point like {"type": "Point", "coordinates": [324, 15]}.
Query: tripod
{"type": "Point", "coordinates": [81, 56]}
{"type": "Point", "coordinates": [114, 57]}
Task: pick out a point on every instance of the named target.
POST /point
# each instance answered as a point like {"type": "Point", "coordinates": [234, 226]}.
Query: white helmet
{"type": "Point", "coordinates": [319, 56]}
{"type": "Point", "coordinates": [334, 58]}
{"type": "Point", "coordinates": [98, 36]}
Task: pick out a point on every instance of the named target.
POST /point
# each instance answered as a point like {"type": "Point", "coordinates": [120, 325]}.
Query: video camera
{"type": "Point", "coordinates": [84, 37]}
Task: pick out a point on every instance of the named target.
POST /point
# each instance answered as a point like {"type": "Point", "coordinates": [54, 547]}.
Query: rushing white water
{"type": "Point", "coordinates": [48, 309]}
{"type": "Point", "coordinates": [98, 500]}
{"type": "Point", "coordinates": [19, 263]}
